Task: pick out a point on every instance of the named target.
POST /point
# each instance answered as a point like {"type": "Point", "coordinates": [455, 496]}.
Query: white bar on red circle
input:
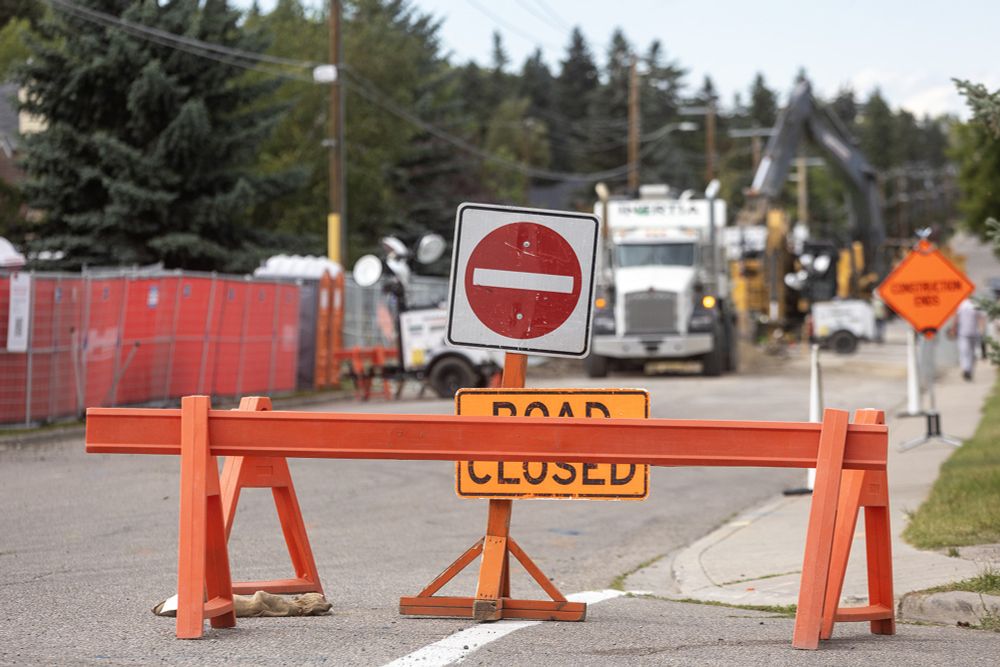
{"type": "Point", "coordinates": [544, 282]}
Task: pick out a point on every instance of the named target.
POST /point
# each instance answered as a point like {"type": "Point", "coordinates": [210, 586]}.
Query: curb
{"type": "Point", "coordinates": [950, 608]}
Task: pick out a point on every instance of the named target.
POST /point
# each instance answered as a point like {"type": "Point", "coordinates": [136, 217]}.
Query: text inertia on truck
{"type": "Point", "coordinates": [662, 290]}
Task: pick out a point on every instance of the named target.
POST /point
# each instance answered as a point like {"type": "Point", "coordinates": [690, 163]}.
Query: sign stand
{"type": "Point", "coordinates": [933, 416]}
{"type": "Point", "coordinates": [493, 601]}
{"type": "Point", "coordinates": [912, 378]}
{"type": "Point", "coordinates": [925, 289]}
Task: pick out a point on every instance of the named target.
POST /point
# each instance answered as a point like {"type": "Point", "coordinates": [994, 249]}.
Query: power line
{"type": "Point", "coordinates": [248, 60]}
{"type": "Point", "coordinates": [266, 64]}
{"type": "Point", "coordinates": [369, 91]}
{"type": "Point", "coordinates": [510, 26]}
{"type": "Point", "coordinates": [540, 15]}
{"type": "Point", "coordinates": [183, 39]}
{"type": "Point", "coordinates": [545, 7]}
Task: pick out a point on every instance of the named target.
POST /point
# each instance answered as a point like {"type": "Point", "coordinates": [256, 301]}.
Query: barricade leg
{"type": "Point", "coordinates": [878, 539]}
{"type": "Point", "coordinates": [868, 489]}
{"type": "Point", "coordinates": [493, 601]}
{"type": "Point", "coordinates": [203, 559]}
{"type": "Point", "coordinates": [843, 538]}
{"type": "Point", "coordinates": [270, 472]}
{"type": "Point", "coordinates": [819, 538]}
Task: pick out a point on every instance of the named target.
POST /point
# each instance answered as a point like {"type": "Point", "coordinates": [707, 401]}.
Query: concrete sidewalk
{"type": "Point", "coordinates": [756, 558]}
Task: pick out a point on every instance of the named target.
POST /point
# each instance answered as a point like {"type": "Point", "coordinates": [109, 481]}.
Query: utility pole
{"type": "Point", "coordinates": [755, 134]}
{"type": "Point", "coordinates": [633, 127]}
{"type": "Point", "coordinates": [336, 223]}
{"type": "Point", "coordinates": [710, 141]}
{"type": "Point", "coordinates": [803, 188]}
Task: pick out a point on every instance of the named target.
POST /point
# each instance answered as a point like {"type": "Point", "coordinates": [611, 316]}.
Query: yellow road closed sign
{"type": "Point", "coordinates": [521, 479]}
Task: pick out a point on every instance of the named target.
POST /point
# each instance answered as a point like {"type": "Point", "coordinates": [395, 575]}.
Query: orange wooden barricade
{"type": "Point", "coordinates": [270, 472]}
{"type": "Point", "coordinates": [850, 460]}
{"type": "Point", "coordinates": [367, 363]}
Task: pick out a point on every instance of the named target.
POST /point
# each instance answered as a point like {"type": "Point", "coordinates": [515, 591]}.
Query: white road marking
{"type": "Point", "coordinates": [459, 646]}
{"type": "Point", "coordinates": [542, 282]}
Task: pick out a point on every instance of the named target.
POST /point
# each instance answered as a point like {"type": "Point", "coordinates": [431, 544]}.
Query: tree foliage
{"type": "Point", "coordinates": [156, 154]}
{"type": "Point", "coordinates": [977, 150]}
{"type": "Point", "coordinates": [146, 151]}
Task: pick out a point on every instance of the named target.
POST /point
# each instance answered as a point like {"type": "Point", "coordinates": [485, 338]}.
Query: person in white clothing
{"type": "Point", "coordinates": [968, 328]}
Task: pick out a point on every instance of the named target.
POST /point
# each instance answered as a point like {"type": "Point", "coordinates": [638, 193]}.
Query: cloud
{"type": "Point", "coordinates": [919, 94]}
{"type": "Point", "coordinates": [935, 100]}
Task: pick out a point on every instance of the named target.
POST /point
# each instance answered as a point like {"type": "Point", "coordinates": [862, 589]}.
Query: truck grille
{"type": "Point", "coordinates": [651, 312]}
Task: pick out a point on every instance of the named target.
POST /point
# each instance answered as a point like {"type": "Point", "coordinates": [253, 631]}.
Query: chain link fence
{"type": "Point", "coordinates": [75, 341]}
{"type": "Point", "coordinates": [369, 312]}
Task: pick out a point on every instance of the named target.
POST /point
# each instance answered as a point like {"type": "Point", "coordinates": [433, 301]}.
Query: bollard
{"type": "Point", "coordinates": [815, 403]}
{"type": "Point", "coordinates": [912, 378]}
{"type": "Point", "coordinates": [815, 415]}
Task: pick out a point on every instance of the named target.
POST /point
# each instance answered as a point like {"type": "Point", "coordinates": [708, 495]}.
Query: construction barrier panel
{"type": "Point", "coordinates": [130, 338]}
{"type": "Point", "coordinates": [850, 459]}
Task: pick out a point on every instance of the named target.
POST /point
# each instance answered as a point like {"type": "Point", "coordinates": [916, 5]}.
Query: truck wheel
{"type": "Point", "coordinates": [712, 362]}
{"type": "Point", "coordinates": [843, 342]}
{"type": "Point", "coordinates": [732, 354]}
{"type": "Point", "coordinates": [732, 362]}
{"type": "Point", "coordinates": [451, 374]}
{"type": "Point", "coordinates": [596, 366]}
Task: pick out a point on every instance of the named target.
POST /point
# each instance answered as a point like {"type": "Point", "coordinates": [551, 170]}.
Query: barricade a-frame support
{"type": "Point", "coordinates": [204, 585]}
{"type": "Point", "coordinates": [837, 498]}
{"type": "Point", "coordinates": [270, 472]}
{"type": "Point", "coordinates": [493, 601]}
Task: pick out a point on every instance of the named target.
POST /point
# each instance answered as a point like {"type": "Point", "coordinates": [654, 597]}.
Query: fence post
{"type": "Point", "coordinates": [172, 345]}
{"type": "Point", "coordinates": [278, 295]}
{"type": "Point", "coordinates": [31, 344]}
{"type": "Point", "coordinates": [205, 342]}
{"type": "Point", "coordinates": [122, 313]}
{"type": "Point", "coordinates": [247, 302]}
{"type": "Point", "coordinates": [54, 355]}
{"type": "Point", "coordinates": [83, 339]}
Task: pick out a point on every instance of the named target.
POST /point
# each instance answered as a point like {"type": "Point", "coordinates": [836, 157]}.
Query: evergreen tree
{"type": "Point", "coordinates": [514, 135]}
{"type": "Point", "coordinates": [536, 86]}
{"type": "Point", "coordinates": [763, 103]}
{"type": "Point", "coordinates": [876, 135]}
{"type": "Point", "coordinates": [977, 149]}
{"type": "Point", "coordinates": [500, 84]}
{"type": "Point", "coordinates": [609, 111]}
{"type": "Point", "coordinates": [575, 87]}
{"type": "Point", "coordinates": [24, 10]}
{"type": "Point", "coordinates": [400, 178]}
{"type": "Point", "coordinates": [147, 149]}
{"type": "Point", "coordinates": [666, 160]}
{"type": "Point", "coordinates": [845, 107]}
{"type": "Point", "coordinates": [297, 143]}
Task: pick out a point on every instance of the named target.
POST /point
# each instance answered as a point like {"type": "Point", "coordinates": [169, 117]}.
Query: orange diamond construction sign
{"type": "Point", "coordinates": [925, 289]}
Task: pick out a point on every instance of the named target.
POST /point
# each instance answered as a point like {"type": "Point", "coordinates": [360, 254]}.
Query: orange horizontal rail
{"type": "Point", "coordinates": [660, 442]}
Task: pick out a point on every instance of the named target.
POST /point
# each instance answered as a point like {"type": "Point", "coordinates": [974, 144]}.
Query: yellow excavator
{"type": "Point", "coordinates": [775, 285]}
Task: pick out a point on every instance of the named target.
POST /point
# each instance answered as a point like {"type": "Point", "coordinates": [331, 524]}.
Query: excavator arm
{"type": "Point", "coordinates": [804, 116]}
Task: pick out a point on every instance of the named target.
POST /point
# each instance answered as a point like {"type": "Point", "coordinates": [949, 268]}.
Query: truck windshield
{"type": "Point", "coordinates": [655, 254]}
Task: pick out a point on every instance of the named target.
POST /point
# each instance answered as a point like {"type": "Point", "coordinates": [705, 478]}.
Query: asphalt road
{"type": "Point", "coordinates": [88, 546]}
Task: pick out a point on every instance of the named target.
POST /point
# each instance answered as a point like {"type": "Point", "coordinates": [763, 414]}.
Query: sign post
{"type": "Point", "coordinates": [522, 280]}
{"type": "Point", "coordinates": [925, 290]}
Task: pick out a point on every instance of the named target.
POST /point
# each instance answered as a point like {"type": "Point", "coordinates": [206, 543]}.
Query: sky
{"type": "Point", "coordinates": [910, 49]}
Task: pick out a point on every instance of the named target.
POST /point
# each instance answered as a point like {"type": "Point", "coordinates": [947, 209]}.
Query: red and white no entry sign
{"type": "Point", "coordinates": [522, 280]}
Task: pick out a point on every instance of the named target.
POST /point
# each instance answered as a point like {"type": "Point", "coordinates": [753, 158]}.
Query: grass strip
{"type": "Point", "coordinates": [964, 505]}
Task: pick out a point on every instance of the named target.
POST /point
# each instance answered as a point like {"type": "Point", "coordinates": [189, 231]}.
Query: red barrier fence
{"type": "Point", "coordinates": [130, 338]}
